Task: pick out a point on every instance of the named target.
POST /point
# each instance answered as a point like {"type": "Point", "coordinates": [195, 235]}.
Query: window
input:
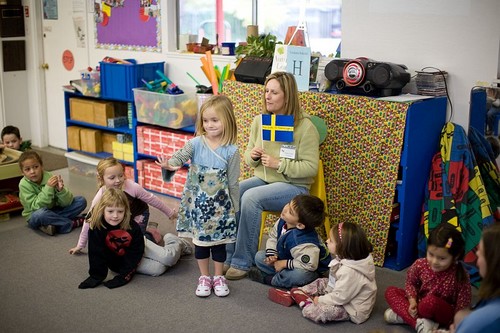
{"type": "Point", "coordinates": [322, 19]}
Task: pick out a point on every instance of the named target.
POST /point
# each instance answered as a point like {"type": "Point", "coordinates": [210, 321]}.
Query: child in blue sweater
{"type": "Point", "coordinates": [295, 255]}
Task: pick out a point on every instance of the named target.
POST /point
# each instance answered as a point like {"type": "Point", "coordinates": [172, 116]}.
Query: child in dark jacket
{"type": "Point", "coordinates": [295, 255]}
{"type": "Point", "coordinates": [115, 241]}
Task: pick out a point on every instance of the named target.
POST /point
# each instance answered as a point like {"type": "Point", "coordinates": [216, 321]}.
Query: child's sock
{"type": "Point", "coordinates": [78, 221]}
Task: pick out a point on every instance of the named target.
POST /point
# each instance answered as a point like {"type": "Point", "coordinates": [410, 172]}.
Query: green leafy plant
{"type": "Point", "coordinates": [258, 46]}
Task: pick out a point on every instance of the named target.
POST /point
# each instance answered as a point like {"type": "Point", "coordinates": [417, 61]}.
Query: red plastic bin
{"type": "Point", "coordinates": [118, 80]}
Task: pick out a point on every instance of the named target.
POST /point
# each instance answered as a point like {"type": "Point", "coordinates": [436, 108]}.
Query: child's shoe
{"type": "Point", "coordinates": [78, 221]}
{"type": "Point", "coordinates": [204, 288]}
{"type": "Point", "coordinates": [279, 296]}
{"type": "Point", "coordinates": [48, 229]}
{"type": "Point", "coordinates": [425, 325]}
{"type": "Point", "coordinates": [220, 286]}
{"type": "Point", "coordinates": [300, 297]}
{"type": "Point", "coordinates": [186, 248]}
{"type": "Point", "coordinates": [392, 317]}
{"type": "Point", "coordinates": [256, 275]}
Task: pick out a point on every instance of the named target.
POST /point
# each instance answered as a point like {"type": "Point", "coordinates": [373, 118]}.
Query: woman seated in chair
{"type": "Point", "coordinates": [282, 170]}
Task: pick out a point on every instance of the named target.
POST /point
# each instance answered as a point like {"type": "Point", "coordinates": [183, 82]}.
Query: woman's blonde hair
{"type": "Point", "coordinates": [103, 164]}
{"type": "Point", "coordinates": [224, 109]}
{"type": "Point", "coordinates": [111, 197]}
{"type": "Point", "coordinates": [289, 86]}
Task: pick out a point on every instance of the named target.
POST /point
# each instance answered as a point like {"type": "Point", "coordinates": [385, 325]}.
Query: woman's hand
{"type": "Point", "coordinates": [163, 162]}
{"type": "Point", "coordinates": [256, 153]}
{"type": "Point", "coordinates": [270, 161]}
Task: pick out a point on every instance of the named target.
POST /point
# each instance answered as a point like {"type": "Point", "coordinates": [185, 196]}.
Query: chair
{"type": "Point", "coordinates": [317, 189]}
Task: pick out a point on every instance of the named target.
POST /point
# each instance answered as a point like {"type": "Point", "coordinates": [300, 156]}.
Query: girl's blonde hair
{"type": "Point", "coordinates": [224, 110]}
{"type": "Point", "coordinates": [289, 87]}
{"type": "Point", "coordinates": [103, 164]}
{"type": "Point", "coordinates": [111, 197]}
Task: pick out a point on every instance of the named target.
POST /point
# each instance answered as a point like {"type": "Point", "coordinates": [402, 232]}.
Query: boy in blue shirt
{"type": "Point", "coordinates": [295, 255]}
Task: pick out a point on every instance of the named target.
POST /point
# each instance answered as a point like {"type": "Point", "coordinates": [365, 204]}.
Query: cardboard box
{"type": "Point", "coordinates": [154, 141]}
{"type": "Point", "coordinates": [128, 148]}
{"type": "Point", "coordinates": [74, 137]}
{"type": "Point", "coordinates": [117, 146]}
{"type": "Point", "coordinates": [128, 157]}
{"type": "Point", "coordinates": [149, 177]}
{"type": "Point", "coordinates": [118, 155]}
{"type": "Point", "coordinates": [91, 140]}
{"type": "Point", "coordinates": [102, 112]}
{"type": "Point", "coordinates": [81, 110]}
{"type": "Point", "coordinates": [129, 172]}
{"type": "Point", "coordinates": [107, 142]}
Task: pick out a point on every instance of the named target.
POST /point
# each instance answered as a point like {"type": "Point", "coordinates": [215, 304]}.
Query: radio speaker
{"type": "Point", "coordinates": [253, 69]}
{"type": "Point", "coordinates": [334, 70]}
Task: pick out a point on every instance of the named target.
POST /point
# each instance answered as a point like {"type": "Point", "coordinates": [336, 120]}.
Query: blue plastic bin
{"type": "Point", "coordinates": [118, 80]}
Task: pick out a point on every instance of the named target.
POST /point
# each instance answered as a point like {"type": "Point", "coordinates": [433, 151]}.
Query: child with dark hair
{"type": "Point", "coordinates": [485, 316]}
{"type": "Point", "coordinates": [11, 138]}
{"type": "Point", "coordinates": [295, 254]}
{"type": "Point", "coordinates": [48, 204]}
{"type": "Point", "coordinates": [436, 286]}
{"type": "Point", "coordinates": [495, 145]}
{"type": "Point", "coordinates": [350, 290]}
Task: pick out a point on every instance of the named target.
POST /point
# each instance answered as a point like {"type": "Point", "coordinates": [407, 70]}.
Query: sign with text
{"type": "Point", "coordinates": [295, 60]}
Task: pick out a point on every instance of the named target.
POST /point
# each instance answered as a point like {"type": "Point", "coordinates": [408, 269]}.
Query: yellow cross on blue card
{"type": "Point", "coordinates": [277, 128]}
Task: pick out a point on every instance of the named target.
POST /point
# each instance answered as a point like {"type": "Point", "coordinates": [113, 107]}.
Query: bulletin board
{"type": "Point", "coordinates": [132, 25]}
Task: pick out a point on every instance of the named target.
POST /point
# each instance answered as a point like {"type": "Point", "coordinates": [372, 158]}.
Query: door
{"type": "Point", "coordinates": [59, 34]}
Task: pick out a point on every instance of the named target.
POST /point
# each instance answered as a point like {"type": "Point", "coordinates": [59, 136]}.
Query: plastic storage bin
{"type": "Point", "coordinates": [172, 111]}
{"type": "Point", "coordinates": [118, 80]}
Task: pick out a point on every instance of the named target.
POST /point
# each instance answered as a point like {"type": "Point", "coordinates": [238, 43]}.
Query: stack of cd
{"type": "Point", "coordinates": [431, 83]}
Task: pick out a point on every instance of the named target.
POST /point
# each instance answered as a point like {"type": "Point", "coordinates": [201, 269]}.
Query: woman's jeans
{"type": "Point", "coordinates": [256, 196]}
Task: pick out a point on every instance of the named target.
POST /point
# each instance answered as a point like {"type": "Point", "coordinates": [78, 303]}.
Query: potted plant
{"type": "Point", "coordinates": [257, 46]}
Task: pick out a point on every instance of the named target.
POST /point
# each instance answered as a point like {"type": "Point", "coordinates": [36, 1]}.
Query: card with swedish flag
{"type": "Point", "coordinates": [277, 128]}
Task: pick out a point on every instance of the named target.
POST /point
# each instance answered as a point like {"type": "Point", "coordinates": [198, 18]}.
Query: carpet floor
{"type": "Point", "coordinates": [53, 159]}
{"type": "Point", "coordinates": [39, 279]}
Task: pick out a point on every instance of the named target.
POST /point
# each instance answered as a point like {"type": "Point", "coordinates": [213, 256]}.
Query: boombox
{"type": "Point", "coordinates": [363, 76]}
